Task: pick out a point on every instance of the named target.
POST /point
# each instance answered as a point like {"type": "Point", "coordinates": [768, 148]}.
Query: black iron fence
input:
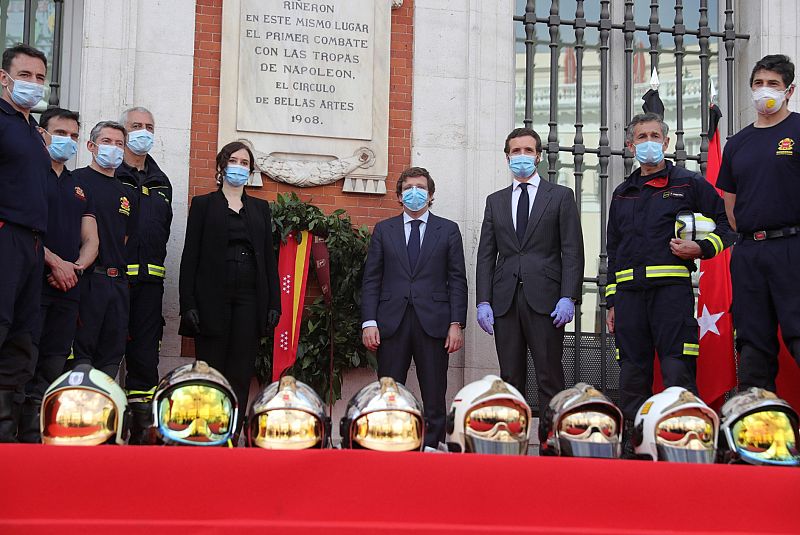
{"type": "Point", "coordinates": [589, 356]}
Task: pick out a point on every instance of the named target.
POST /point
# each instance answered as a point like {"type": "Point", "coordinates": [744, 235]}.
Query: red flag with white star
{"type": "Point", "coordinates": [716, 365]}
{"type": "Point", "coordinates": [293, 261]}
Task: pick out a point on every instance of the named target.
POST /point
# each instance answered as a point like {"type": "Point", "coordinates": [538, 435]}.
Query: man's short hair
{"type": "Point", "coordinates": [522, 132]}
{"type": "Point", "coordinates": [777, 63]}
{"type": "Point", "coordinates": [95, 133]}
{"type": "Point", "coordinates": [60, 113]}
{"type": "Point", "coordinates": [416, 171]}
{"type": "Point", "coordinates": [645, 118]}
{"type": "Point", "coordinates": [123, 119]}
{"type": "Point", "coordinates": [21, 48]}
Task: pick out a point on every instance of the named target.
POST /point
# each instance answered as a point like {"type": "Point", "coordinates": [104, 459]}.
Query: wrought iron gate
{"type": "Point", "coordinates": [589, 355]}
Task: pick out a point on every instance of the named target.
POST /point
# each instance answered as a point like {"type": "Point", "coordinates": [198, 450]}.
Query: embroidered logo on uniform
{"type": "Point", "coordinates": [79, 193]}
{"type": "Point", "coordinates": [673, 194]}
{"type": "Point", "coordinates": [124, 206]}
{"type": "Point", "coordinates": [785, 147]}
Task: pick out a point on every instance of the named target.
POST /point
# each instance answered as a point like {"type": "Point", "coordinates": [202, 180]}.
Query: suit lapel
{"type": "Point", "coordinates": [397, 235]}
{"type": "Point", "coordinates": [252, 218]}
{"type": "Point", "coordinates": [504, 219]}
{"type": "Point", "coordinates": [432, 233]}
{"type": "Point", "coordinates": [543, 196]}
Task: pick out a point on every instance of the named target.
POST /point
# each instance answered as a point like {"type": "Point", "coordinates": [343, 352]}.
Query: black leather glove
{"type": "Point", "coordinates": [190, 322]}
{"type": "Point", "coordinates": [273, 317]}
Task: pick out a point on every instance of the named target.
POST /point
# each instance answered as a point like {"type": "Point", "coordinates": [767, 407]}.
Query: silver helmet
{"type": "Point", "coordinates": [288, 415]}
{"type": "Point", "coordinates": [582, 422]}
{"type": "Point", "coordinates": [195, 405]}
{"type": "Point", "coordinates": [383, 416]}
{"type": "Point", "coordinates": [490, 416]}
{"type": "Point", "coordinates": [84, 407]}
{"type": "Point", "coordinates": [759, 428]}
{"type": "Point", "coordinates": [676, 426]}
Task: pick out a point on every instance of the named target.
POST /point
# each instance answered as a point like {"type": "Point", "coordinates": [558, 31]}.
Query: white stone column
{"type": "Point", "coordinates": [462, 111]}
{"type": "Point", "coordinates": [140, 53]}
{"type": "Point", "coordinates": [774, 28]}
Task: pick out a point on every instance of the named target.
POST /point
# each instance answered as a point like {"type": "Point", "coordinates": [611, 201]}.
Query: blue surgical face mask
{"type": "Point", "coordinates": [522, 166]}
{"type": "Point", "coordinates": [236, 175]}
{"type": "Point", "coordinates": [109, 156]}
{"type": "Point", "coordinates": [62, 148]}
{"type": "Point", "coordinates": [649, 152]}
{"type": "Point", "coordinates": [415, 198]}
{"type": "Point", "coordinates": [26, 94]}
{"type": "Point", "coordinates": [140, 142]}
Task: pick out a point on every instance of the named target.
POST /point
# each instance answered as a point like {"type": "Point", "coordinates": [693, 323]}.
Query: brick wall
{"type": "Point", "coordinates": [364, 209]}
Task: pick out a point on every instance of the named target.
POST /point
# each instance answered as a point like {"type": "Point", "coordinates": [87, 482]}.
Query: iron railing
{"type": "Point", "coordinates": [589, 355]}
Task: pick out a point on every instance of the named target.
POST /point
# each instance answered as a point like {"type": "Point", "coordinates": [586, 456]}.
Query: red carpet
{"type": "Point", "coordinates": [123, 490]}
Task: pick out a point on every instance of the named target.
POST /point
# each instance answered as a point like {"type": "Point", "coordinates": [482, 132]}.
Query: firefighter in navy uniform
{"type": "Point", "coordinates": [147, 250]}
{"type": "Point", "coordinates": [760, 174]}
{"type": "Point", "coordinates": [24, 165]}
{"type": "Point", "coordinates": [649, 293]}
{"type": "Point", "coordinates": [70, 246]}
{"type": "Point", "coordinates": [103, 313]}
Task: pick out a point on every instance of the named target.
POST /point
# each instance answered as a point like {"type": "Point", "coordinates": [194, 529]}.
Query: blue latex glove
{"type": "Point", "coordinates": [564, 312]}
{"type": "Point", "coordinates": [486, 317]}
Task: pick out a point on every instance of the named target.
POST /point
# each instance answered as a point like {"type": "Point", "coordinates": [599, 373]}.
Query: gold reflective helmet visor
{"type": "Point", "coordinates": [78, 417]}
{"type": "Point", "coordinates": [285, 429]}
{"type": "Point", "coordinates": [388, 430]}
{"type": "Point", "coordinates": [686, 436]}
{"type": "Point", "coordinates": [766, 437]}
{"type": "Point", "coordinates": [498, 426]}
{"type": "Point", "coordinates": [589, 432]}
{"type": "Point", "coordinates": [196, 414]}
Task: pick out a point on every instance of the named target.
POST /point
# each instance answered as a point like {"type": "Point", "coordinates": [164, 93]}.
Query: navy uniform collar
{"type": "Point", "coordinates": [8, 109]}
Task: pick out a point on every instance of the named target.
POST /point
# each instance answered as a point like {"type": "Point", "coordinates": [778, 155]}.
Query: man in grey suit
{"type": "Point", "coordinates": [414, 296]}
{"type": "Point", "coordinates": [530, 269]}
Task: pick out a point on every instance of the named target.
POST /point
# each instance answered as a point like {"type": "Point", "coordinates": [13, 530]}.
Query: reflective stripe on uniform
{"type": "Point", "coordinates": [624, 275]}
{"type": "Point", "coordinates": [716, 241]}
{"type": "Point", "coordinates": [666, 271]}
{"type": "Point", "coordinates": [611, 289]}
{"type": "Point", "coordinates": [141, 393]}
{"type": "Point", "coordinates": [691, 349]}
{"type": "Point", "coordinates": [152, 269]}
{"type": "Point", "coordinates": [156, 271]}
{"type": "Point", "coordinates": [616, 354]}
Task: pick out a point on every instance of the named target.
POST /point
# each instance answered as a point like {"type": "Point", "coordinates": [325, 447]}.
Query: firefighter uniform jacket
{"type": "Point", "coordinates": [147, 246]}
{"type": "Point", "coordinates": [641, 223]}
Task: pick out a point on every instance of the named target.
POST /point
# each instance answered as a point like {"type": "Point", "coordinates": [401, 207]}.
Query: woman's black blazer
{"type": "Point", "coordinates": [202, 284]}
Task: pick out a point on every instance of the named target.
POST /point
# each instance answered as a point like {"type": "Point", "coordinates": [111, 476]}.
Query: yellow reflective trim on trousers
{"type": "Point", "coordinates": [141, 393]}
{"type": "Point", "coordinates": [666, 271]}
{"type": "Point", "coordinates": [133, 269]}
{"type": "Point", "coordinates": [716, 241]}
{"type": "Point", "coordinates": [611, 289]}
{"type": "Point", "coordinates": [156, 271]}
{"type": "Point", "coordinates": [691, 349]}
{"type": "Point", "coordinates": [624, 275]}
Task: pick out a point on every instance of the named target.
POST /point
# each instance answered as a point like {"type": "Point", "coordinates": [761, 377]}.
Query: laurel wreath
{"type": "Point", "coordinates": [341, 322]}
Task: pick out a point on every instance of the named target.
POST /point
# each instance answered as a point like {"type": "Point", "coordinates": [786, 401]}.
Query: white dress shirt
{"type": "Point", "coordinates": [407, 219]}
{"type": "Point", "coordinates": [517, 191]}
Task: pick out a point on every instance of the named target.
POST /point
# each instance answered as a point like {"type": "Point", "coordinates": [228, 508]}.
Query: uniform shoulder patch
{"type": "Point", "coordinates": [124, 206]}
{"type": "Point", "coordinates": [785, 147]}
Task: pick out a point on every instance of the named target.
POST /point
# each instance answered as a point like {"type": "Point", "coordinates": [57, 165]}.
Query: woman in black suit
{"type": "Point", "coordinates": [229, 294]}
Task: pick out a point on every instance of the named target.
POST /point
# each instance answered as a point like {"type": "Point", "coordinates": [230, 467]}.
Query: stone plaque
{"type": "Point", "coordinates": [306, 84]}
{"type": "Point", "coordinates": [306, 67]}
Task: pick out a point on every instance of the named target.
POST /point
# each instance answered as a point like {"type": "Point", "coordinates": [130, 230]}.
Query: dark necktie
{"type": "Point", "coordinates": [522, 211]}
{"type": "Point", "coordinates": [413, 243]}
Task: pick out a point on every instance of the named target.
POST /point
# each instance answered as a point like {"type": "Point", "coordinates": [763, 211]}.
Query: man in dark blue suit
{"type": "Point", "coordinates": [414, 295]}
